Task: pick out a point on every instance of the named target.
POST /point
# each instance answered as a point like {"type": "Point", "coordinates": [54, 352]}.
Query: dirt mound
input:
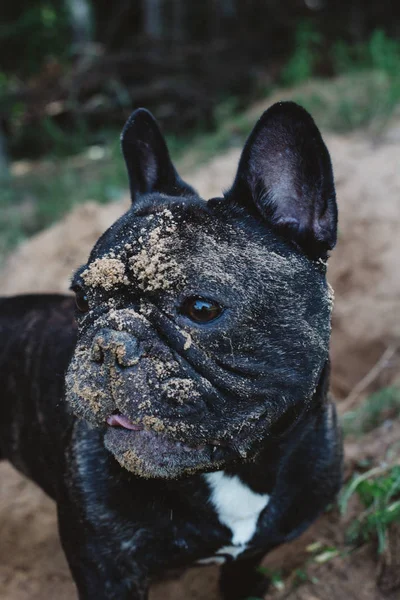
{"type": "Point", "coordinates": [364, 266]}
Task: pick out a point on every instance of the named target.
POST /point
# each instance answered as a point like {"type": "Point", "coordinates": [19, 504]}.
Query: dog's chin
{"type": "Point", "coordinates": [149, 454]}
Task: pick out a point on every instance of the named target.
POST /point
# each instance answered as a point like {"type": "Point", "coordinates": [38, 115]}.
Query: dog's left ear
{"type": "Point", "coordinates": [147, 159]}
{"type": "Point", "coordinates": [285, 173]}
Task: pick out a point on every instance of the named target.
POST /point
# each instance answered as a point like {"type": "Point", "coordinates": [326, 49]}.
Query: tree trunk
{"type": "Point", "coordinates": [81, 21]}
{"type": "Point", "coordinates": [152, 21]}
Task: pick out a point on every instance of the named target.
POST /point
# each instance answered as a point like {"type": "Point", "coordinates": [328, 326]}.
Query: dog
{"type": "Point", "coordinates": [177, 409]}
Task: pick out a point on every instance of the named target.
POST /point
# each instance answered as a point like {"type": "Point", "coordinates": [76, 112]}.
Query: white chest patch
{"type": "Point", "coordinates": [238, 508]}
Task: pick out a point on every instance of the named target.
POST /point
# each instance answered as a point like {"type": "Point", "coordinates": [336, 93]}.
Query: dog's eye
{"type": "Point", "coordinates": [201, 310]}
{"type": "Point", "coordinates": [81, 300]}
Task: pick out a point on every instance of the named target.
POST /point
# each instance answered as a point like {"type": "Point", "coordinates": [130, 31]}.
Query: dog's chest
{"type": "Point", "coordinates": [238, 508]}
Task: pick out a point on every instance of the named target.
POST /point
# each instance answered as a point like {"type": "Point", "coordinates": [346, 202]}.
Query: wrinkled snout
{"type": "Point", "coordinates": [112, 347]}
{"type": "Point", "coordinates": [124, 370]}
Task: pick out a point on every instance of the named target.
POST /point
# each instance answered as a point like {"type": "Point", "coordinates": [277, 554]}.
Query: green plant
{"type": "Point", "coordinates": [34, 200]}
{"type": "Point", "coordinates": [351, 101]}
{"type": "Point", "coordinates": [374, 410]}
{"type": "Point", "coordinates": [275, 577]}
{"type": "Point", "coordinates": [366, 89]}
{"type": "Point", "coordinates": [31, 32]}
{"type": "Point", "coordinates": [320, 553]}
{"type": "Point", "coordinates": [302, 64]}
{"type": "Point", "coordinates": [301, 576]}
{"type": "Point", "coordinates": [379, 492]}
{"type": "Point", "coordinates": [379, 52]}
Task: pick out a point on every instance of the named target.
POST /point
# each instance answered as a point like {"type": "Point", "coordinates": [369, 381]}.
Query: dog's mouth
{"type": "Point", "coordinates": [153, 454]}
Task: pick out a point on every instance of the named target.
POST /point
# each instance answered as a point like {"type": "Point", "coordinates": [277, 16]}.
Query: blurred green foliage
{"type": "Point", "coordinates": [304, 61]}
{"type": "Point", "coordinates": [380, 52]}
{"type": "Point", "coordinates": [378, 489]}
{"type": "Point", "coordinates": [365, 90]}
{"type": "Point", "coordinates": [37, 52]}
{"type": "Point", "coordinates": [36, 141]}
{"type": "Point", "coordinates": [32, 201]}
{"type": "Point", "coordinates": [30, 33]}
{"type": "Point", "coordinates": [379, 492]}
{"type": "Point", "coordinates": [382, 405]}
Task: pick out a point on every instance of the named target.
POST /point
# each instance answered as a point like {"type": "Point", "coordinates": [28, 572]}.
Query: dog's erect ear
{"type": "Point", "coordinates": [285, 171]}
{"type": "Point", "coordinates": [147, 158]}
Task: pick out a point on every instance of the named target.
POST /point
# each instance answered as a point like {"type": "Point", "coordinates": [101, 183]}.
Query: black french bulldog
{"type": "Point", "coordinates": [180, 413]}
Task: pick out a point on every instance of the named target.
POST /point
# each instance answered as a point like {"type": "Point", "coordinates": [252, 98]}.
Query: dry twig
{"type": "Point", "coordinates": [371, 376]}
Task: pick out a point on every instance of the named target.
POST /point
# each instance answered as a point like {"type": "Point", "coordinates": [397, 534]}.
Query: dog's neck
{"type": "Point", "coordinates": [261, 473]}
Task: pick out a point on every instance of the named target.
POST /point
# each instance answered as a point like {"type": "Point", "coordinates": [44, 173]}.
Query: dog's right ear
{"type": "Point", "coordinates": [147, 159]}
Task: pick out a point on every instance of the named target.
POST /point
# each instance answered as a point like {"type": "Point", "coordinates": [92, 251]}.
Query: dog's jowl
{"type": "Point", "coordinates": [177, 409]}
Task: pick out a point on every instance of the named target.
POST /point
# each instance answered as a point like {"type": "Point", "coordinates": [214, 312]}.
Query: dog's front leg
{"type": "Point", "coordinates": [241, 579]}
{"type": "Point", "coordinates": [99, 572]}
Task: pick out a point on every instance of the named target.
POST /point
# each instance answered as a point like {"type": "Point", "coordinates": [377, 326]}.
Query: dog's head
{"type": "Point", "coordinates": [204, 326]}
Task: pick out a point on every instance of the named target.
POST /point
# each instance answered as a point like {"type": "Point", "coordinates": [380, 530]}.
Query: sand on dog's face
{"type": "Point", "coordinates": [197, 393]}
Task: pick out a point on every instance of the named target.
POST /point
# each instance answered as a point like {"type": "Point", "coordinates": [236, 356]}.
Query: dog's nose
{"type": "Point", "coordinates": [110, 347]}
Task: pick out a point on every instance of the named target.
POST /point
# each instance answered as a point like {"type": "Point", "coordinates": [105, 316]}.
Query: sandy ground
{"type": "Point", "coordinates": [364, 272]}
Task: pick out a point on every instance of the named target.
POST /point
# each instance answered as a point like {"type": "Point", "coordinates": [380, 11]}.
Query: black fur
{"type": "Point", "coordinates": [245, 393]}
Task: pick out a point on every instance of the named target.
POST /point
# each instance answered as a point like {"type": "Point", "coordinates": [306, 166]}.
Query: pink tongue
{"type": "Point", "coordinates": [121, 421]}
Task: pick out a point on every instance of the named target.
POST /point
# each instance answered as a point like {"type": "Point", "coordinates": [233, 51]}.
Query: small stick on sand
{"type": "Point", "coordinates": [376, 370]}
